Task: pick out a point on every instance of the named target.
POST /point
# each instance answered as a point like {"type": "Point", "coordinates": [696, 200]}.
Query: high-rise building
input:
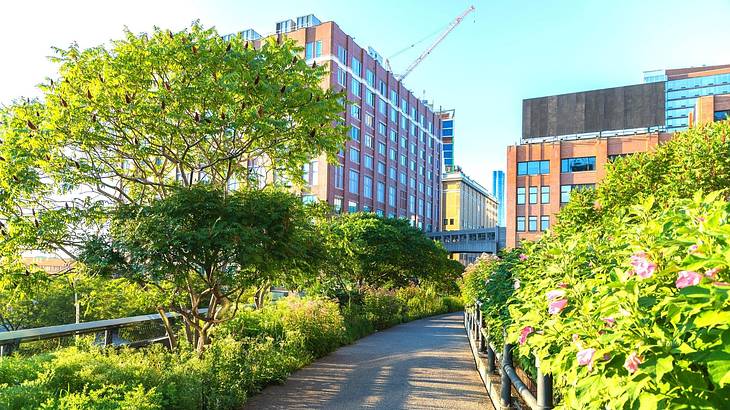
{"type": "Point", "coordinates": [391, 164]}
{"type": "Point", "coordinates": [447, 137]}
{"type": "Point", "coordinates": [498, 192]}
{"type": "Point", "coordinates": [466, 206]}
{"type": "Point", "coordinates": [567, 139]}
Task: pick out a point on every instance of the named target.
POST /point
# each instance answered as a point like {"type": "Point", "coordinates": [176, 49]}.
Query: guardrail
{"type": "Point", "coordinates": [107, 331]}
{"type": "Point", "coordinates": [484, 350]}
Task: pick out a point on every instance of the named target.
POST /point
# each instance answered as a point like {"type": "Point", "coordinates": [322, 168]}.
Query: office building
{"type": "Point", "coordinates": [391, 163]}
{"type": "Point", "coordinates": [498, 192]}
{"type": "Point", "coordinates": [568, 139]}
{"type": "Point", "coordinates": [447, 138]}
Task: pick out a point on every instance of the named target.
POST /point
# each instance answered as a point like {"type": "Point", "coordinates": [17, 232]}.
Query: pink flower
{"type": "Point", "coordinates": [643, 267]}
{"type": "Point", "coordinates": [712, 273]}
{"type": "Point", "coordinates": [632, 362]}
{"type": "Point", "coordinates": [575, 337]}
{"type": "Point", "coordinates": [555, 294]}
{"type": "Point", "coordinates": [523, 257]}
{"type": "Point", "coordinates": [585, 357]}
{"type": "Point", "coordinates": [606, 357]}
{"type": "Point", "coordinates": [624, 312]}
{"type": "Point", "coordinates": [693, 248]}
{"type": "Point", "coordinates": [688, 278]}
{"type": "Point", "coordinates": [524, 333]}
{"type": "Point", "coordinates": [610, 321]}
{"type": "Point", "coordinates": [557, 306]}
{"type": "Point", "coordinates": [562, 285]}
{"type": "Point", "coordinates": [516, 284]}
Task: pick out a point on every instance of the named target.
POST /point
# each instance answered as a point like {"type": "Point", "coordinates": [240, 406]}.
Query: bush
{"type": "Point", "coordinates": [382, 308]}
{"type": "Point", "coordinates": [626, 301]}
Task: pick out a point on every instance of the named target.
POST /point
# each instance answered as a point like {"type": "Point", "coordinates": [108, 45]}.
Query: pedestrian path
{"type": "Point", "coordinates": [425, 364]}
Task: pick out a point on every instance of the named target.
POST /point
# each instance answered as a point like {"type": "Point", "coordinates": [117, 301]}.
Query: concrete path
{"type": "Point", "coordinates": [426, 364]}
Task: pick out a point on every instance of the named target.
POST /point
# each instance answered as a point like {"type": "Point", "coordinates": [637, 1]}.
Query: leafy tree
{"type": "Point", "coordinates": [364, 249]}
{"type": "Point", "coordinates": [130, 122]}
{"type": "Point", "coordinates": [201, 248]}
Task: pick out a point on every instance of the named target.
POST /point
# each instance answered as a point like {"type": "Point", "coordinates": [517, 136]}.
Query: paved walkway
{"type": "Point", "coordinates": [426, 364]}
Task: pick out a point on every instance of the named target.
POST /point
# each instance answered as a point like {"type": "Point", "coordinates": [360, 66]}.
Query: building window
{"type": "Point", "coordinates": [381, 192]}
{"type": "Point", "coordinates": [368, 161]}
{"type": "Point", "coordinates": [566, 189]}
{"type": "Point", "coordinates": [722, 115]}
{"type": "Point", "coordinates": [367, 187]}
{"type": "Point", "coordinates": [544, 194]}
{"type": "Point", "coordinates": [354, 155]}
{"type": "Point", "coordinates": [381, 106]}
{"type": "Point", "coordinates": [355, 133]}
{"type": "Point", "coordinates": [351, 206]}
{"type": "Point", "coordinates": [382, 129]}
{"type": "Point", "coordinates": [342, 54]}
{"type": "Point", "coordinates": [381, 86]}
{"type": "Point", "coordinates": [313, 49]}
{"type": "Point", "coordinates": [369, 98]}
{"type": "Point", "coordinates": [580, 164]}
{"type": "Point", "coordinates": [355, 111]}
{"type": "Point", "coordinates": [355, 87]}
{"type": "Point", "coordinates": [339, 177]}
{"type": "Point", "coordinates": [544, 223]}
{"type": "Point", "coordinates": [354, 182]}
{"type": "Point", "coordinates": [368, 140]}
{"type": "Point", "coordinates": [393, 136]}
{"type": "Point", "coordinates": [520, 195]}
{"type": "Point", "coordinates": [392, 173]}
{"type": "Point", "coordinates": [356, 66]}
{"type": "Point", "coordinates": [533, 194]}
{"type": "Point", "coordinates": [393, 154]}
{"type": "Point", "coordinates": [369, 77]}
{"type": "Point", "coordinates": [381, 168]}
{"type": "Point", "coordinates": [393, 115]}
{"type": "Point", "coordinates": [391, 196]}
{"type": "Point", "coordinates": [532, 223]}
{"type": "Point", "coordinates": [404, 160]}
{"type": "Point", "coordinates": [520, 224]}
{"type": "Point", "coordinates": [403, 178]}
{"type": "Point", "coordinates": [381, 148]}
{"type": "Point", "coordinates": [341, 77]}
{"type": "Point", "coordinates": [533, 168]}
{"type": "Point", "coordinates": [338, 205]}
{"type": "Point", "coordinates": [614, 157]}
{"type": "Point", "coordinates": [379, 212]}
{"type": "Point", "coordinates": [411, 204]}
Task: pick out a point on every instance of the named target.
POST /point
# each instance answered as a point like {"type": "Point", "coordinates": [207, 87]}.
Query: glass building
{"type": "Point", "coordinates": [498, 192]}
{"type": "Point", "coordinates": [447, 137]}
{"type": "Point", "coordinates": [681, 97]}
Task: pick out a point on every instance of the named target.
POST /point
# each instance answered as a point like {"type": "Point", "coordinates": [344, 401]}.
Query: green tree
{"type": "Point", "coordinates": [364, 249]}
{"type": "Point", "coordinates": [203, 249]}
{"type": "Point", "coordinates": [130, 122]}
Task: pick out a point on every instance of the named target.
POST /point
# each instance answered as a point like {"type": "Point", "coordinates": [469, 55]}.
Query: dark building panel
{"type": "Point", "coordinates": [634, 106]}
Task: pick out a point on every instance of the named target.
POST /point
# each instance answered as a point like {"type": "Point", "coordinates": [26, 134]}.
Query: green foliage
{"type": "Point", "coordinates": [131, 122]}
{"type": "Point", "coordinates": [364, 249]}
{"type": "Point", "coordinates": [256, 348]}
{"type": "Point", "coordinates": [199, 246]}
{"type": "Point", "coordinates": [642, 264]}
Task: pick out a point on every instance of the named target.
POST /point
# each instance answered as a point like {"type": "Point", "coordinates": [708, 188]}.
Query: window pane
{"type": "Point", "coordinates": [544, 223]}
{"type": "Point", "coordinates": [532, 221]}
{"type": "Point", "coordinates": [520, 224]}
{"type": "Point", "coordinates": [521, 168]}
{"type": "Point", "coordinates": [545, 194]}
{"type": "Point", "coordinates": [520, 195]}
{"type": "Point", "coordinates": [533, 194]}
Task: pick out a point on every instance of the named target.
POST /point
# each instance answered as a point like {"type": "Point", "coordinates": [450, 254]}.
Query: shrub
{"type": "Point", "coordinates": [626, 300]}
{"type": "Point", "coordinates": [382, 308]}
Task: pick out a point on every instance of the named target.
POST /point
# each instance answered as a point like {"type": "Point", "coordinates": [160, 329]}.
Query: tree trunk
{"type": "Point", "coordinates": [261, 295]}
{"type": "Point", "coordinates": [168, 329]}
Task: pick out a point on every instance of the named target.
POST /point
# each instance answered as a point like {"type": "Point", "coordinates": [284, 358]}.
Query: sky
{"type": "Point", "coordinates": [502, 53]}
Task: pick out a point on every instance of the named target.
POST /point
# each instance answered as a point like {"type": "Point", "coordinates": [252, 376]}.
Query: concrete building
{"type": "Point", "coordinates": [498, 192]}
{"type": "Point", "coordinates": [567, 139]}
{"type": "Point", "coordinates": [391, 164]}
{"type": "Point", "coordinates": [467, 206]}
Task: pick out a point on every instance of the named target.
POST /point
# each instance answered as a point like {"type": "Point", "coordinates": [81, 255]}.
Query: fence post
{"type": "Point", "coordinates": [544, 388]}
{"type": "Point", "coordinates": [109, 335]}
{"type": "Point", "coordinates": [482, 341]}
{"type": "Point", "coordinates": [506, 391]}
{"type": "Point", "coordinates": [491, 367]}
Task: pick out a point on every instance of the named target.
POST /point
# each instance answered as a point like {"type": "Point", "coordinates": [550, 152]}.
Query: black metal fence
{"type": "Point", "coordinates": [107, 332]}
{"type": "Point", "coordinates": [474, 324]}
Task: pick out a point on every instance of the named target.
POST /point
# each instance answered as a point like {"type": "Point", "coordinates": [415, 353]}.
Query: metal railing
{"type": "Point", "coordinates": [107, 332]}
{"type": "Point", "coordinates": [474, 324]}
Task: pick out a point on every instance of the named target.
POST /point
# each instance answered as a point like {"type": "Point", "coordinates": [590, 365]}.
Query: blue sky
{"type": "Point", "coordinates": [503, 53]}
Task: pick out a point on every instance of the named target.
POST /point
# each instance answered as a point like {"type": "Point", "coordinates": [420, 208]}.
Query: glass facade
{"type": "Point", "coordinates": [533, 168]}
{"type": "Point", "coordinates": [498, 192]}
{"type": "Point", "coordinates": [681, 97]}
{"type": "Point", "coordinates": [580, 164]}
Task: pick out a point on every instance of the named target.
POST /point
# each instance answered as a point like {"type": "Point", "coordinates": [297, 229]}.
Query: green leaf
{"type": "Point", "coordinates": [664, 365]}
{"type": "Point", "coordinates": [712, 318]}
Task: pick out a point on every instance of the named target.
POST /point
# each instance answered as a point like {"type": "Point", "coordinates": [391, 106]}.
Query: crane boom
{"type": "Point", "coordinates": [443, 35]}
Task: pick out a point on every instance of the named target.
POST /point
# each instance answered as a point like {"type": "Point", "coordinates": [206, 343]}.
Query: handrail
{"type": "Point", "coordinates": [10, 341]}
{"type": "Point", "coordinates": [474, 324]}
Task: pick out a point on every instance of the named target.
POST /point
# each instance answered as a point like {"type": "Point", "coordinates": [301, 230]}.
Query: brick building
{"type": "Point", "coordinates": [392, 162]}
{"type": "Point", "coordinates": [568, 139]}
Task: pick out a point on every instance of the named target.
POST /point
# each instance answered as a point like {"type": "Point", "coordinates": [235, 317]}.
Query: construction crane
{"type": "Point", "coordinates": [428, 51]}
